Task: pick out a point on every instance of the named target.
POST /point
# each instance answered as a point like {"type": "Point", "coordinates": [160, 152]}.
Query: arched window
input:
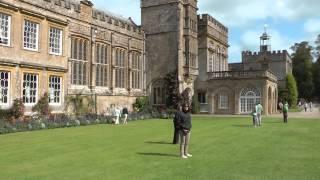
{"type": "Point", "coordinates": [136, 70]}
{"type": "Point", "coordinates": [120, 68]}
{"type": "Point", "coordinates": [79, 61]}
{"type": "Point", "coordinates": [158, 93]}
{"type": "Point", "coordinates": [102, 64]}
{"type": "Point", "coordinates": [210, 61]}
{"type": "Point", "coordinates": [248, 99]}
{"type": "Point", "coordinates": [217, 60]}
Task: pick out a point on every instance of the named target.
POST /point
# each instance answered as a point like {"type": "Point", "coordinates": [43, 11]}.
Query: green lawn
{"type": "Point", "coordinates": [222, 148]}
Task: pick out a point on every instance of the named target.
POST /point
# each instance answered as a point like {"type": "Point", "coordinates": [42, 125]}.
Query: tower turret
{"type": "Point", "coordinates": [265, 41]}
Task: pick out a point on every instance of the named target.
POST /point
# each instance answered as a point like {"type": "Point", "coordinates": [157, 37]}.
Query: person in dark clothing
{"type": "Point", "coordinates": [176, 125]}
{"type": "Point", "coordinates": [125, 113]}
{"type": "Point", "coordinates": [184, 124]}
{"type": "Point", "coordinates": [285, 112]}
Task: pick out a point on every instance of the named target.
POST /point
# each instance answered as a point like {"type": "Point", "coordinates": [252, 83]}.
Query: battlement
{"type": "Point", "coordinates": [206, 18]}
{"type": "Point", "coordinates": [73, 8]}
{"type": "Point", "coordinates": [191, 2]}
{"type": "Point", "coordinates": [250, 53]}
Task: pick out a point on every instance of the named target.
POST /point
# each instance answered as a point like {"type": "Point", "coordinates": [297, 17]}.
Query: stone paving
{"type": "Point", "coordinates": [315, 113]}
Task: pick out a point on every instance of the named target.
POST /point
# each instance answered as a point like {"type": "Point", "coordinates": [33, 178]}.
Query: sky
{"type": "Point", "coordinates": [288, 21]}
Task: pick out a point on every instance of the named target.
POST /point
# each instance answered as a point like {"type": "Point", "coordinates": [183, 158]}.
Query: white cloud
{"type": "Point", "coordinates": [234, 52]}
{"type": "Point", "coordinates": [242, 13]}
{"type": "Point", "coordinates": [312, 26]}
{"type": "Point", "coordinates": [250, 40]}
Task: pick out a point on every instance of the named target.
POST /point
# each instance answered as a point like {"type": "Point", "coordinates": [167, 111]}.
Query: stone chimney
{"type": "Point", "coordinates": [86, 10]}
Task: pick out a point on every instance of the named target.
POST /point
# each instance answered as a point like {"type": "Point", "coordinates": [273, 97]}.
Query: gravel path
{"type": "Point", "coordinates": [314, 114]}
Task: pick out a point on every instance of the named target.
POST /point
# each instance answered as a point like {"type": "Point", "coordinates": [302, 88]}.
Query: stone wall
{"type": "Point", "coordinates": [76, 19]}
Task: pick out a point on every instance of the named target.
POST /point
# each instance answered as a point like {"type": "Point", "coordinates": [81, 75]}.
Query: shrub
{"type": "Point", "coordinates": [80, 104]}
{"type": "Point", "coordinates": [17, 109]}
{"type": "Point", "coordinates": [5, 114]}
{"type": "Point", "coordinates": [141, 103]}
{"type": "Point", "coordinates": [195, 105]}
{"type": "Point", "coordinates": [42, 107]}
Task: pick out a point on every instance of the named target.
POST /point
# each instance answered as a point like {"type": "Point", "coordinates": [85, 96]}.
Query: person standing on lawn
{"type": "Point", "coordinates": [117, 115]}
{"type": "Point", "coordinates": [184, 124]}
{"type": "Point", "coordinates": [305, 107]}
{"type": "Point", "coordinates": [176, 125]}
{"type": "Point", "coordinates": [125, 113]}
{"type": "Point", "coordinates": [259, 110]}
{"type": "Point", "coordinates": [280, 106]}
{"type": "Point", "coordinates": [285, 112]}
{"type": "Point", "coordinates": [254, 117]}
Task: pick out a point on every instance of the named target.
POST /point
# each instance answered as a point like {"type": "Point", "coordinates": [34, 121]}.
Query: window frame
{"type": "Point", "coordinates": [8, 89]}
{"type": "Point", "coordinates": [61, 90]}
{"type": "Point", "coordinates": [37, 35]}
{"type": "Point", "coordinates": [106, 65]}
{"type": "Point", "coordinates": [9, 29]}
{"type": "Point", "coordinates": [120, 67]}
{"type": "Point", "coordinates": [136, 70]}
{"type": "Point", "coordinates": [223, 101]}
{"type": "Point", "coordinates": [60, 42]}
{"type": "Point", "coordinates": [37, 88]}
{"type": "Point", "coordinates": [79, 61]}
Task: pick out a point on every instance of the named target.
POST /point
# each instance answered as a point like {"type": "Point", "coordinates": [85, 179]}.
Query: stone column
{"type": "Point", "coordinates": [236, 101]}
{"type": "Point", "coordinates": [211, 104]}
{"type": "Point", "coordinates": [264, 97]}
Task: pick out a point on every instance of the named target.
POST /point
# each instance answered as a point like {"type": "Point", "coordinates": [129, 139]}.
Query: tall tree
{"type": "Point", "coordinates": [302, 69]}
{"type": "Point", "coordinates": [316, 70]}
{"type": "Point", "coordinates": [292, 90]}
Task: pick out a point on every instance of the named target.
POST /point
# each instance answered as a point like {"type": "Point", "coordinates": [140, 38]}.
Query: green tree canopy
{"type": "Point", "coordinates": [292, 90]}
{"type": "Point", "coordinates": [302, 69]}
{"type": "Point", "coordinates": [316, 70]}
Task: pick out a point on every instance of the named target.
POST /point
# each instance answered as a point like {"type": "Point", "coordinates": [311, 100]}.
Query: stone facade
{"type": "Point", "coordinates": [236, 92]}
{"type": "Point", "coordinates": [229, 89]}
{"type": "Point", "coordinates": [99, 54]}
{"type": "Point", "coordinates": [171, 43]}
{"type": "Point", "coordinates": [279, 62]}
{"type": "Point", "coordinates": [213, 46]}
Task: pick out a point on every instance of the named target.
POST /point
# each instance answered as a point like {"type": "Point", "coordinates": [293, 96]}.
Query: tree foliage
{"type": "Point", "coordinates": [141, 103]}
{"type": "Point", "coordinates": [292, 90]}
{"type": "Point", "coordinates": [316, 70]}
{"type": "Point", "coordinates": [42, 107]}
{"type": "Point", "coordinates": [302, 69]}
{"type": "Point", "coordinates": [172, 90]}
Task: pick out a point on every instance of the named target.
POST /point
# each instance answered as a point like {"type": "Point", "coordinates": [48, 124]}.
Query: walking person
{"type": "Point", "coordinates": [305, 107]}
{"type": "Point", "coordinates": [176, 125]}
{"type": "Point", "coordinates": [184, 123]}
{"type": "Point", "coordinates": [125, 113]}
{"type": "Point", "coordinates": [285, 112]}
{"type": "Point", "coordinates": [280, 106]}
{"type": "Point", "coordinates": [259, 110]}
{"type": "Point", "coordinates": [310, 106]}
{"type": "Point", "coordinates": [117, 115]}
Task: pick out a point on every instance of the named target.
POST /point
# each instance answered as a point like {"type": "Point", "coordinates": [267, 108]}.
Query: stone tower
{"type": "Point", "coordinates": [279, 62]}
{"type": "Point", "coordinates": [265, 41]}
{"type": "Point", "coordinates": [171, 44]}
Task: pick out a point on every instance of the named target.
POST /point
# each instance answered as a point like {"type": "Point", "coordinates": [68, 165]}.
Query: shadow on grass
{"type": "Point", "coordinates": [242, 126]}
{"type": "Point", "coordinates": [157, 154]}
{"type": "Point", "coordinates": [157, 142]}
{"type": "Point", "coordinates": [273, 122]}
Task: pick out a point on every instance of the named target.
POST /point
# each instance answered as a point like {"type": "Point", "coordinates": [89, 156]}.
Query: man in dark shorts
{"type": "Point", "coordinates": [176, 125]}
{"type": "Point", "coordinates": [184, 124]}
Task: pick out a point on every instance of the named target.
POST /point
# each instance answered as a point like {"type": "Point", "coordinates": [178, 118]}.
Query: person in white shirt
{"type": "Point", "coordinates": [117, 115]}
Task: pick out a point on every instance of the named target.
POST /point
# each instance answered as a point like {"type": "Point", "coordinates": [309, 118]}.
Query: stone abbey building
{"type": "Point", "coordinates": [65, 47]}
{"type": "Point", "coordinates": [68, 47]}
